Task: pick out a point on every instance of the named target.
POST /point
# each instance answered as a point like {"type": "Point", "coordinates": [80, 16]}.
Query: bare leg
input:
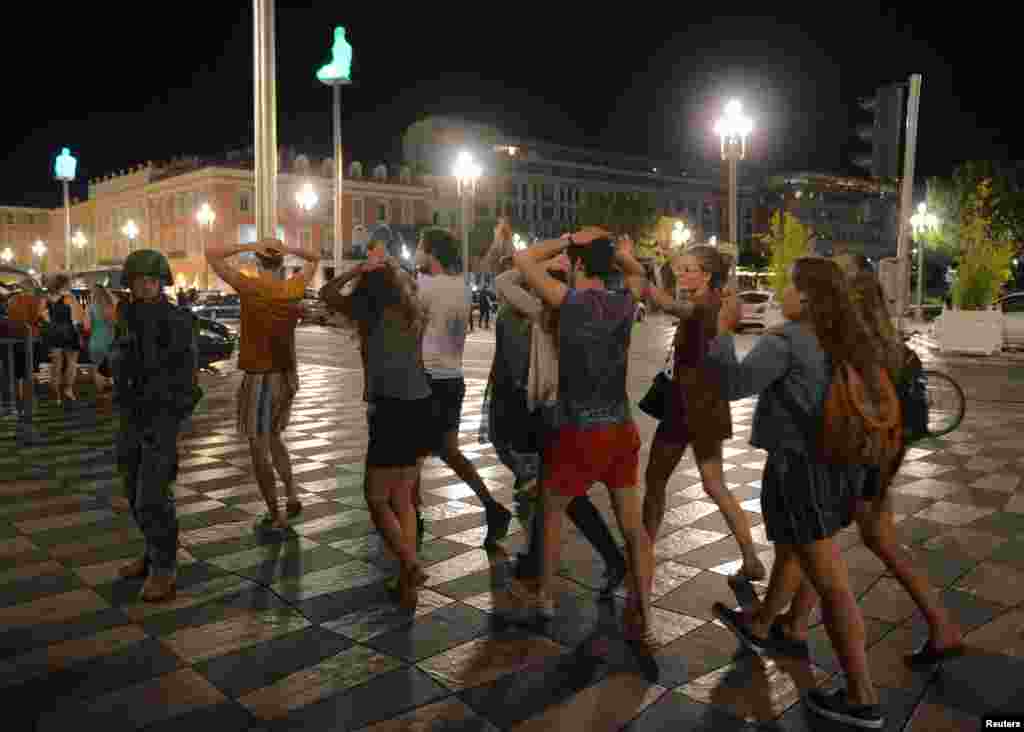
{"type": "Point", "coordinates": [553, 506]}
{"type": "Point", "coordinates": [57, 373]}
{"type": "Point", "coordinates": [786, 579]}
{"type": "Point", "coordinates": [389, 497]}
{"type": "Point", "coordinates": [825, 567]}
{"type": "Point", "coordinates": [70, 373]}
{"type": "Point", "coordinates": [259, 449]}
{"type": "Point", "coordinates": [878, 531]}
{"type": "Point", "coordinates": [282, 464]}
{"type": "Point", "coordinates": [454, 459]}
{"type": "Point", "coordinates": [629, 511]}
{"type": "Point", "coordinates": [713, 479]}
{"type": "Point", "coordinates": [663, 459]}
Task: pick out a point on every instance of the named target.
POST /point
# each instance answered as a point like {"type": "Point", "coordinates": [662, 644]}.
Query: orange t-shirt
{"type": "Point", "coordinates": [271, 309]}
{"type": "Point", "coordinates": [25, 308]}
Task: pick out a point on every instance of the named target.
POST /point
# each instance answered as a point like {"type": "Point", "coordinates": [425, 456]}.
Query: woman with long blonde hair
{"type": "Point", "coordinates": [102, 315]}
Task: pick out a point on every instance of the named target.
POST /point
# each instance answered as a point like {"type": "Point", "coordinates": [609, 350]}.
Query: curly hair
{"type": "Point", "coordinates": [836, 322]}
{"type": "Point", "coordinates": [378, 294]}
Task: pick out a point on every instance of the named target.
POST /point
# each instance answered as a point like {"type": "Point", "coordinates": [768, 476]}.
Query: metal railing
{"type": "Point", "coordinates": [12, 335]}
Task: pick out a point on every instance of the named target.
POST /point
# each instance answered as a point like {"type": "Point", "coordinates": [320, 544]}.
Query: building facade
{"type": "Point", "coordinates": [845, 215]}
{"type": "Point", "coordinates": [162, 202]}
{"type": "Point", "coordinates": [539, 185]}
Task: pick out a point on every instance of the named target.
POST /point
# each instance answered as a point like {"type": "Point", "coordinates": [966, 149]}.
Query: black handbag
{"type": "Point", "coordinates": [655, 400]}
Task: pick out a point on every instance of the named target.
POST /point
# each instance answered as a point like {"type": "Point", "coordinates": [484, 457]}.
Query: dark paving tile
{"type": "Point", "coordinates": [249, 540]}
{"type": "Point", "coordinates": [970, 611]}
{"type": "Point", "coordinates": [209, 518]}
{"type": "Point", "coordinates": [7, 530]}
{"type": "Point", "coordinates": [698, 652]}
{"type": "Point", "coordinates": [383, 697]}
{"type": "Point", "coordinates": [293, 564]}
{"type": "Point", "coordinates": [915, 531]}
{"type": "Point", "coordinates": [95, 677]}
{"type": "Point", "coordinates": [943, 566]}
{"type": "Point", "coordinates": [676, 711]}
{"type": "Point", "coordinates": [14, 642]}
{"type": "Point", "coordinates": [227, 717]}
{"type": "Point", "coordinates": [134, 547]}
{"type": "Point", "coordinates": [236, 674]}
{"type": "Point", "coordinates": [442, 629]}
{"type": "Point", "coordinates": [1012, 552]}
{"type": "Point", "coordinates": [348, 531]}
{"type": "Point", "coordinates": [898, 706]}
{"type": "Point", "coordinates": [15, 593]}
{"type": "Point", "coordinates": [336, 604]}
{"type": "Point", "coordinates": [126, 591]}
{"type": "Point", "coordinates": [822, 653]}
{"type": "Point", "coordinates": [256, 599]}
{"type": "Point", "coordinates": [979, 683]}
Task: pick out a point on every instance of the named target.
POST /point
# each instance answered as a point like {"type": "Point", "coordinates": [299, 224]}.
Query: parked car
{"type": "Point", "coordinates": [219, 307]}
{"type": "Point", "coordinates": [757, 308]}
{"type": "Point", "coordinates": [1012, 307]}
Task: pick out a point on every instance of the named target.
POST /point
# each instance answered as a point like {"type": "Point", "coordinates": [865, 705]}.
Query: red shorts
{"type": "Point", "coordinates": [575, 459]}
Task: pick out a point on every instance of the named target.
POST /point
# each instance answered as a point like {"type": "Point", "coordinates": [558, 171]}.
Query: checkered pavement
{"type": "Point", "coordinates": [301, 633]}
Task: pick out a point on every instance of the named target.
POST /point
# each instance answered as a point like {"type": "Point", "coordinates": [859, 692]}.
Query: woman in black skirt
{"type": "Point", "coordinates": [806, 502]}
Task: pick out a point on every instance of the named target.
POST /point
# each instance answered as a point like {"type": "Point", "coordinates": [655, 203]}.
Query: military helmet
{"type": "Point", "coordinates": [148, 263]}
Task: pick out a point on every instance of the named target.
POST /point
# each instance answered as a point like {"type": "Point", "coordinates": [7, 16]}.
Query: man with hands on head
{"type": "Point", "coordinates": [271, 309]}
{"type": "Point", "coordinates": [595, 438]}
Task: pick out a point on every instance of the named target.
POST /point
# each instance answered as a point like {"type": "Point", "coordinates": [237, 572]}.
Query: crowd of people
{"type": "Point", "coordinates": [558, 412]}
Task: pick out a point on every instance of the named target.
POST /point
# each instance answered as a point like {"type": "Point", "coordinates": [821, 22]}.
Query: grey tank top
{"type": "Point", "coordinates": [394, 369]}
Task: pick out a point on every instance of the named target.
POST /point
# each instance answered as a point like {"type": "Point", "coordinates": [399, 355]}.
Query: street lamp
{"type": "Point", "coordinates": [713, 241]}
{"type": "Point", "coordinates": [922, 222]}
{"type": "Point", "coordinates": [64, 171]}
{"type": "Point", "coordinates": [205, 216]}
{"type": "Point", "coordinates": [306, 198]}
{"type": "Point", "coordinates": [467, 173]}
{"type": "Point", "coordinates": [517, 243]}
{"type": "Point", "coordinates": [39, 249]}
{"type": "Point", "coordinates": [79, 241]}
{"type": "Point", "coordinates": [7, 255]}
{"type": "Point", "coordinates": [734, 128]}
{"type": "Point", "coordinates": [337, 74]}
{"type": "Point", "coordinates": [131, 231]}
{"type": "Point", "coordinates": [680, 234]}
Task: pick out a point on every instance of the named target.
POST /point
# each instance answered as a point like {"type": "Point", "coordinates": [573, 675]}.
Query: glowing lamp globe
{"type": "Point", "coordinates": [339, 70]}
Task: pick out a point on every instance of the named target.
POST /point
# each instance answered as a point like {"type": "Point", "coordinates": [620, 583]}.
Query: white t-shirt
{"type": "Point", "coordinates": [448, 300]}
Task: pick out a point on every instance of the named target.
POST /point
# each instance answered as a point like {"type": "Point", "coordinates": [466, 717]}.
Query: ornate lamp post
{"type": "Point", "coordinates": [922, 222]}
{"type": "Point", "coordinates": [467, 173]}
{"type": "Point", "coordinates": [336, 74]}
{"type": "Point", "coordinates": [734, 128]}
{"type": "Point", "coordinates": [205, 216]}
{"type": "Point", "coordinates": [64, 170]}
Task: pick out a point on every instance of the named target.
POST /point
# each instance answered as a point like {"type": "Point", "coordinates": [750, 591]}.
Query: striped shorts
{"type": "Point", "coordinates": [265, 402]}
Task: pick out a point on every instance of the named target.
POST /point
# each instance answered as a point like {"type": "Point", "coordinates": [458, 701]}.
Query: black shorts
{"type": "Point", "coordinates": [446, 396]}
{"type": "Point", "coordinates": [400, 432]}
{"type": "Point", "coordinates": [803, 502]}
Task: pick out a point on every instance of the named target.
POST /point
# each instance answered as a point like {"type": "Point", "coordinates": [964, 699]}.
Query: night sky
{"type": "Point", "coordinates": [149, 84]}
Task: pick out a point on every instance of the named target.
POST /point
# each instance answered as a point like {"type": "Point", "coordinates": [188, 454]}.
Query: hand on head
{"type": "Point", "coordinates": [588, 234]}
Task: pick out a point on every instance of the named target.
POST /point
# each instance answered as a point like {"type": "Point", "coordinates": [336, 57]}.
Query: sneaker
{"type": "Point", "coordinates": [498, 520]}
{"type": "Point", "coordinates": [835, 706]}
{"type": "Point", "coordinates": [783, 645]}
{"type": "Point", "coordinates": [737, 623]}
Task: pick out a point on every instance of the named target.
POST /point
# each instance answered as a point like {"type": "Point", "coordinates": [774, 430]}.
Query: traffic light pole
{"type": "Point", "coordinates": [906, 194]}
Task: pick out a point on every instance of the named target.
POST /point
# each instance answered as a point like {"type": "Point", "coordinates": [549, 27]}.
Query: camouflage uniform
{"type": "Point", "coordinates": [155, 360]}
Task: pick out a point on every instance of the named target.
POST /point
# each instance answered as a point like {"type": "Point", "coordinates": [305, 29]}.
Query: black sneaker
{"type": "Point", "coordinates": [737, 623]}
{"type": "Point", "coordinates": [498, 520]}
{"type": "Point", "coordinates": [835, 706]}
{"type": "Point", "coordinates": [614, 577]}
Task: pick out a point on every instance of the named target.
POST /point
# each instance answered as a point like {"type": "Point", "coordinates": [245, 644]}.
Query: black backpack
{"type": "Point", "coordinates": [913, 394]}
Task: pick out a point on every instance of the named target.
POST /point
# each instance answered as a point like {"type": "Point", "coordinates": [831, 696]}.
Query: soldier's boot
{"type": "Point", "coordinates": [137, 569]}
{"type": "Point", "coordinates": [159, 588]}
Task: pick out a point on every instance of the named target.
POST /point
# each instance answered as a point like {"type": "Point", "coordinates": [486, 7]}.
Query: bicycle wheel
{"type": "Point", "coordinates": [946, 403]}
